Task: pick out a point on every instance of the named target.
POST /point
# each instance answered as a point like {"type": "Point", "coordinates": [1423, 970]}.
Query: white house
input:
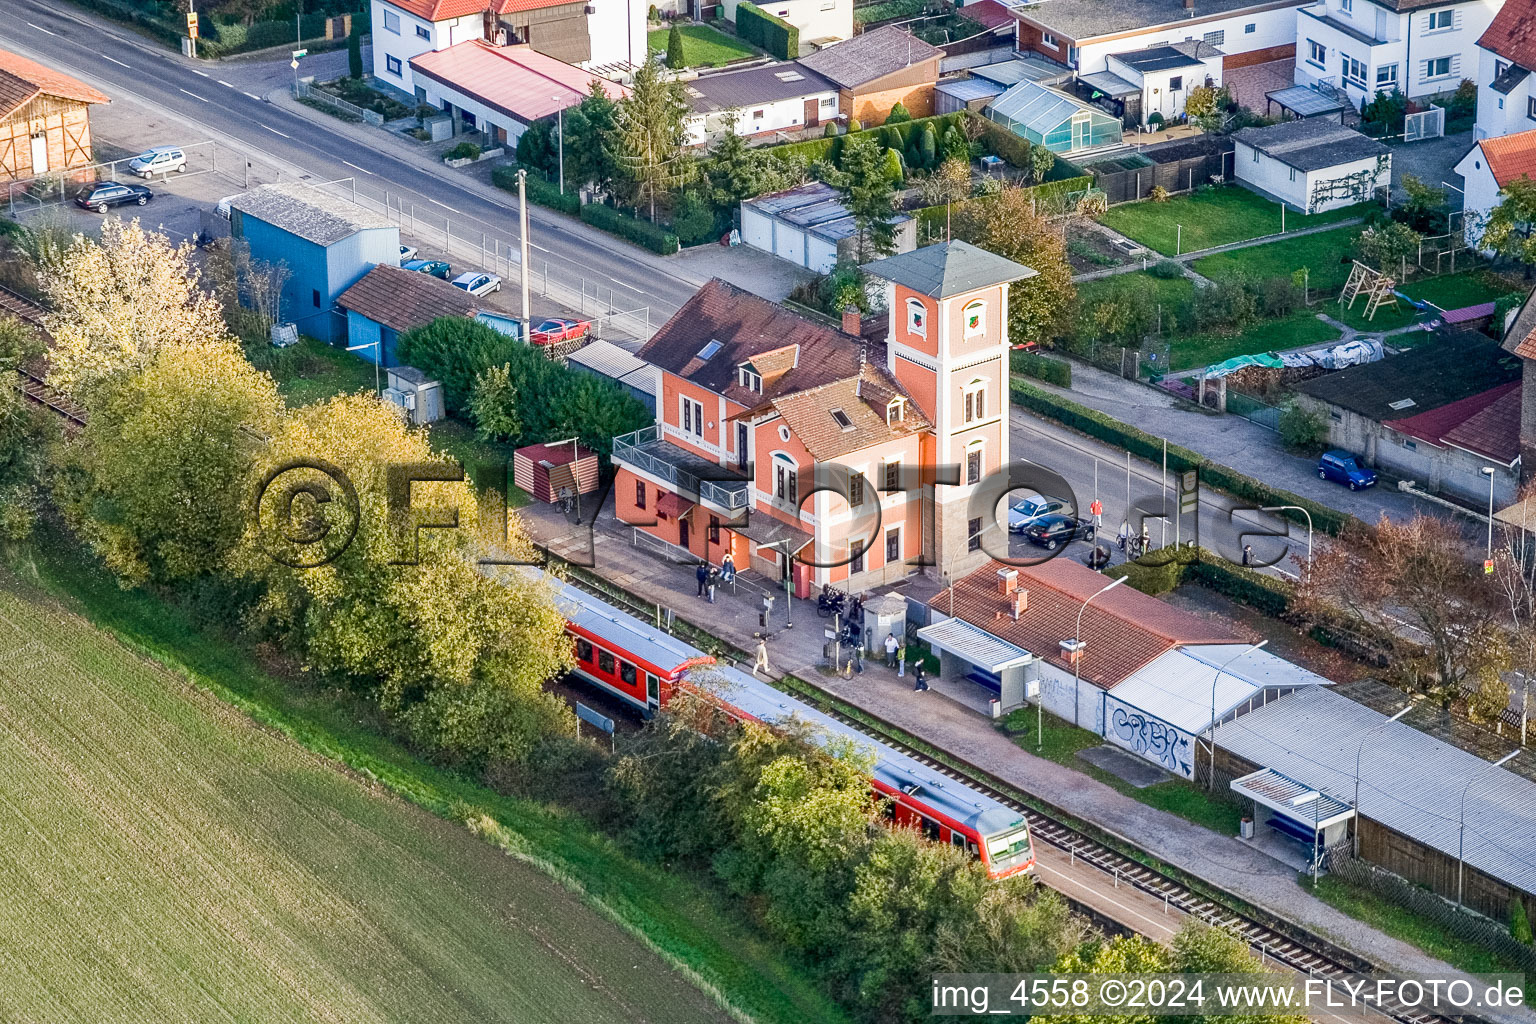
{"type": "Point", "coordinates": [819, 21]}
{"type": "Point", "coordinates": [766, 99]}
{"type": "Point", "coordinates": [1163, 76]}
{"type": "Point", "coordinates": [589, 33]}
{"type": "Point", "coordinates": [1311, 164]}
{"type": "Point", "coordinates": [810, 227]}
{"type": "Point", "coordinates": [1506, 92]}
{"type": "Point", "coordinates": [1488, 167]}
{"type": "Point", "coordinates": [1368, 46]}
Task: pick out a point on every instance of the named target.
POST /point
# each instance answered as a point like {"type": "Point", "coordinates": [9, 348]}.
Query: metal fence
{"type": "Point", "coordinates": [1253, 410]}
{"type": "Point", "coordinates": [305, 90]}
{"type": "Point", "coordinates": [28, 195]}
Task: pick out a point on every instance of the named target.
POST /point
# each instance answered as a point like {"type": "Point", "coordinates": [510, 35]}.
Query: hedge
{"type": "Point", "coordinates": [1139, 442]}
{"type": "Point", "coordinates": [775, 35]}
{"type": "Point", "coordinates": [539, 190]}
{"type": "Point", "coordinates": [828, 148]}
{"type": "Point", "coordinates": [1033, 364]}
{"type": "Point", "coordinates": [1166, 568]}
{"type": "Point", "coordinates": [642, 232]}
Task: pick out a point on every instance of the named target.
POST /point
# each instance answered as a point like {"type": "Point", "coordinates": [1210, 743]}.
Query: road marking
{"type": "Point", "coordinates": [225, 84]}
{"type": "Point", "coordinates": [627, 287]}
{"type": "Point", "coordinates": [252, 96]}
{"type": "Point", "coordinates": [194, 95]}
{"type": "Point", "coordinates": [354, 166]}
{"type": "Point", "coordinates": [197, 72]}
{"type": "Point", "coordinates": [114, 60]}
{"type": "Point", "coordinates": [41, 29]}
{"type": "Point", "coordinates": [443, 205]}
{"type": "Point", "coordinates": [274, 131]}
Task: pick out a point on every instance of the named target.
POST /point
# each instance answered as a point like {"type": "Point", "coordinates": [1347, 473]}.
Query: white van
{"type": "Point", "coordinates": [158, 160]}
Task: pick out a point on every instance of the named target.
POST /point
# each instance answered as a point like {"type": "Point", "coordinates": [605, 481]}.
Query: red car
{"type": "Point", "coordinates": [556, 330]}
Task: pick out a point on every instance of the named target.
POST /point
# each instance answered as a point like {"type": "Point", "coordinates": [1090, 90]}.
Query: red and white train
{"type": "Point", "coordinates": [642, 666]}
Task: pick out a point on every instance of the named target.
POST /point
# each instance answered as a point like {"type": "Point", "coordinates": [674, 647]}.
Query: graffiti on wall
{"type": "Point", "coordinates": [1151, 737]}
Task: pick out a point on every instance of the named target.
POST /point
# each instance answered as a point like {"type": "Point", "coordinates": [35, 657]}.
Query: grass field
{"type": "Point", "coordinates": [1325, 255]}
{"type": "Point", "coordinates": [703, 47]}
{"type": "Point", "coordinates": [312, 371]}
{"type": "Point", "coordinates": [1300, 328]}
{"type": "Point", "coordinates": [1217, 216]}
{"type": "Point", "coordinates": [168, 859]}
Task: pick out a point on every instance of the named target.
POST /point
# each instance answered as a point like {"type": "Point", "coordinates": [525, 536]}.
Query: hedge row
{"type": "Point", "coordinates": [828, 148]}
{"type": "Point", "coordinates": [773, 34]}
{"type": "Point", "coordinates": [539, 190]}
{"type": "Point", "coordinates": [1139, 442]}
{"type": "Point", "coordinates": [642, 232]}
{"type": "Point", "coordinates": [1164, 569]}
{"type": "Point", "coordinates": [1052, 371]}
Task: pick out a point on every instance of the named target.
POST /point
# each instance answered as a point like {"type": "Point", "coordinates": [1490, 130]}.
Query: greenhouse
{"type": "Point", "coordinates": [1053, 119]}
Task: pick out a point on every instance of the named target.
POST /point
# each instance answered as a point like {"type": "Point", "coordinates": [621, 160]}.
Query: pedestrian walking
{"type": "Point", "coordinates": [890, 650]}
{"type": "Point", "coordinates": [1247, 554]}
{"type": "Point", "coordinates": [919, 678]}
{"type": "Point", "coordinates": [711, 583]}
{"type": "Point", "coordinates": [1124, 535]}
{"type": "Point", "coordinates": [728, 568]}
{"type": "Point", "coordinates": [702, 575]}
{"type": "Point", "coordinates": [761, 664]}
{"type": "Point", "coordinates": [901, 661]}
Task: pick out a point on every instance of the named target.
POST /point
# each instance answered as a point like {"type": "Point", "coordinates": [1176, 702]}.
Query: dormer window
{"type": "Point", "coordinates": [974, 316]}
{"type": "Point", "coordinates": [749, 378]}
{"type": "Point", "coordinates": [841, 419]}
{"type": "Point", "coordinates": [895, 411]}
{"type": "Point", "coordinates": [917, 318]}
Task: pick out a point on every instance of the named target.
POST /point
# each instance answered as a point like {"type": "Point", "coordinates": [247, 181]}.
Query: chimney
{"type": "Point", "coordinates": [1020, 603]}
{"type": "Point", "coordinates": [1007, 581]}
{"type": "Point", "coordinates": [1072, 650]}
{"type": "Point", "coordinates": [852, 322]}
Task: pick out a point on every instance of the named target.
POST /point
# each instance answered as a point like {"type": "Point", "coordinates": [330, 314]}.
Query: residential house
{"type": "Point", "coordinates": [1489, 166]}
{"type": "Point", "coordinates": [1158, 79]}
{"type": "Point", "coordinates": [876, 70]}
{"type": "Point", "coordinates": [986, 82]}
{"type": "Point", "coordinates": [326, 242]}
{"type": "Point", "coordinates": [810, 227]}
{"type": "Point", "coordinates": [1422, 47]}
{"type": "Point", "coordinates": [1311, 164]}
{"type": "Point", "coordinates": [1146, 676]}
{"type": "Point", "coordinates": [1506, 56]}
{"type": "Point", "coordinates": [765, 99]}
{"type": "Point", "coordinates": [388, 300]}
{"type": "Point", "coordinates": [591, 33]}
{"type": "Point", "coordinates": [820, 22]}
{"type": "Point", "coordinates": [1436, 414]}
{"type": "Point", "coordinates": [45, 119]}
{"type": "Point", "coordinates": [1084, 34]}
{"type": "Point", "coordinates": [501, 90]}
{"type": "Point", "coordinates": [810, 453]}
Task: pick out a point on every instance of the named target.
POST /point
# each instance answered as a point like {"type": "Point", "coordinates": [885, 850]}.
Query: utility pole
{"type": "Point", "coordinates": [192, 27]}
{"type": "Point", "coordinates": [522, 216]}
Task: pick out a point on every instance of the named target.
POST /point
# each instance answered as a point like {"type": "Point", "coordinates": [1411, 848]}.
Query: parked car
{"type": "Point", "coordinates": [556, 330]}
{"type": "Point", "coordinates": [159, 160]}
{"type": "Point", "coordinates": [477, 283]}
{"type": "Point", "coordinates": [407, 253]}
{"type": "Point", "coordinates": [104, 195]}
{"type": "Point", "coordinates": [1022, 513]}
{"type": "Point", "coordinates": [1342, 467]}
{"type": "Point", "coordinates": [437, 268]}
{"type": "Point", "coordinates": [1054, 530]}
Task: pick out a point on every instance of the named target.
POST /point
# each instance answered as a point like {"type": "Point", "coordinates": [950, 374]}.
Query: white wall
{"type": "Point", "coordinates": [816, 19]}
{"type": "Point", "coordinates": [1499, 113]}
{"type": "Point", "coordinates": [405, 41]}
{"type": "Point", "coordinates": [776, 116]}
{"type": "Point", "coordinates": [1480, 195]}
{"type": "Point", "coordinates": [1269, 28]}
{"type": "Point", "coordinates": [1285, 182]}
{"type": "Point", "coordinates": [1158, 95]}
{"type": "Point", "coordinates": [485, 118]}
{"type": "Point", "coordinates": [616, 29]}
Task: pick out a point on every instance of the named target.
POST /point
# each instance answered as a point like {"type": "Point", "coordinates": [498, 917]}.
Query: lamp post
{"type": "Point", "coordinates": [378, 360]}
{"type": "Point", "coordinates": [1490, 472]}
{"type": "Point", "coordinates": [1214, 680]}
{"type": "Point", "coordinates": [1461, 843]}
{"type": "Point", "coordinates": [1296, 508]}
{"type": "Point", "coordinates": [1358, 751]}
{"type": "Point", "coordinates": [1076, 646]}
{"type": "Point", "coordinates": [560, 122]}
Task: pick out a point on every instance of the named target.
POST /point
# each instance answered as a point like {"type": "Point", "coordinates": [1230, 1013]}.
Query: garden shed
{"type": "Point", "coordinates": [1312, 164]}
{"type": "Point", "coordinates": [1046, 117]}
{"type": "Point", "coordinates": [540, 470]}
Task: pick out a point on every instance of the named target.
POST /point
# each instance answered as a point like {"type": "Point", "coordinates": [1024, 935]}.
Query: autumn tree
{"type": "Point", "coordinates": [115, 304]}
{"type": "Point", "coordinates": [949, 184]}
{"type": "Point", "coordinates": [649, 138]}
{"type": "Point", "coordinates": [1507, 231]}
{"type": "Point", "coordinates": [1039, 308]}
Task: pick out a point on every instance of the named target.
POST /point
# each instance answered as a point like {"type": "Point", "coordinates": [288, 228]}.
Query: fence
{"type": "Point", "coordinates": [1253, 410]}
{"type": "Point", "coordinates": [305, 90]}
{"type": "Point", "coordinates": [1175, 176]}
{"type": "Point", "coordinates": [30, 194]}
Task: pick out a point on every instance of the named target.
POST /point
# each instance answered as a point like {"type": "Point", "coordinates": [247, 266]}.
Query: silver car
{"type": "Point", "coordinates": [1021, 514]}
{"type": "Point", "coordinates": [159, 160]}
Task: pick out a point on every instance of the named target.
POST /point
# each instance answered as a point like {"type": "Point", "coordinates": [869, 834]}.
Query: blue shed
{"type": "Point", "coordinates": [388, 300]}
{"type": "Point", "coordinates": [327, 243]}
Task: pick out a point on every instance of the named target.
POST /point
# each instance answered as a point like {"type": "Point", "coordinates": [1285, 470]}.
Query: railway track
{"type": "Point", "coordinates": [37, 390]}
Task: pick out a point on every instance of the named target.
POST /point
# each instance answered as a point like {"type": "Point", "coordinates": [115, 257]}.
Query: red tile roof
{"type": "Point", "coordinates": [1511, 157]}
{"type": "Point", "coordinates": [444, 10]}
{"type": "Point", "coordinates": [403, 299]}
{"type": "Point", "coordinates": [21, 80]}
{"type": "Point", "coordinates": [989, 14]}
{"type": "Point", "coordinates": [1487, 423]}
{"type": "Point", "coordinates": [1512, 33]}
{"type": "Point", "coordinates": [1123, 629]}
{"type": "Point", "coordinates": [862, 400]}
{"type": "Point", "coordinates": [516, 80]}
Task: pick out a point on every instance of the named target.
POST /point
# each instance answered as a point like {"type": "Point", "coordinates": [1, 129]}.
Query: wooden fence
{"type": "Point", "coordinates": [1175, 176]}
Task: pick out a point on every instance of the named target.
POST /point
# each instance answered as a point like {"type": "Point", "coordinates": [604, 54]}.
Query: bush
{"type": "Point", "coordinates": [831, 131]}
{"type": "Point", "coordinates": [1166, 269]}
{"type": "Point", "coordinates": [694, 220]}
{"type": "Point", "coordinates": [1032, 364]}
{"type": "Point", "coordinates": [898, 114]}
{"type": "Point", "coordinates": [1156, 120]}
{"type": "Point", "coordinates": [1157, 572]}
{"type": "Point", "coordinates": [1302, 429]}
{"type": "Point", "coordinates": [1270, 595]}
{"type": "Point", "coordinates": [539, 191]}
{"type": "Point", "coordinates": [463, 151]}
{"type": "Point", "coordinates": [1159, 194]}
{"type": "Point", "coordinates": [1519, 923]}
{"type": "Point", "coordinates": [643, 233]}
{"type": "Point", "coordinates": [773, 34]}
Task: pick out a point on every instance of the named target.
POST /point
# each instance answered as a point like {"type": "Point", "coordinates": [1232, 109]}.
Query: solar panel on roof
{"type": "Point", "coordinates": [789, 76]}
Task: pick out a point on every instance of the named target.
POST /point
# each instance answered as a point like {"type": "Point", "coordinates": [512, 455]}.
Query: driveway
{"type": "Point", "coordinates": [1431, 162]}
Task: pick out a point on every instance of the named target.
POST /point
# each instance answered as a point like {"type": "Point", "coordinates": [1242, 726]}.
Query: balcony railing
{"type": "Point", "coordinates": [686, 473]}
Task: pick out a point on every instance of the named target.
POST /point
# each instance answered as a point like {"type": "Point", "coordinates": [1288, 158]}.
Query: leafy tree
{"type": "Point", "coordinates": [1040, 308]}
{"type": "Point", "coordinates": [455, 350]}
{"type": "Point", "coordinates": [1386, 110]}
{"type": "Point", "coordinates": [1199, 948]}
{"type": "Point", "coordinates": [955, 146]}
{"type": "Point", "coordinates": [737, 171]}
{"type": "Point", "coordinates": [1385, 246]}
{"type": "Point", "coordinates": [26, 431]}
{"type": "Point", "coordinates": [355, 50]}
{"type": "Point", "coordinates": [493, 405]}
{"type": "Point", "coordinates": [1424, 208]}
{"type": "Point", "coordinates": [694, 218]}
{"type": "Point", "coordinates": [1508, 229]}
{"type": "Point", "coordinates": [19, 343]}
{"type": "Point", "coordinates": [898, 114]}
{"type": "Point", "coordinates": [1301, 428]}
{"type": "Point", "coordinates": [928, 148]}
{"type": "Point", "coordinates": [948, 185]}
{"type": "Point", "coordinates": [1041, 160]}
{"type": "Point", "coordinates": [649, 138]}
{"type": "Point", "coordinates": [114, 304]}
{"type": "Point", "coordinates": [1206, 105]}
{"type": "Point", "coordinates": [539, 147]}
{"type": "Point", "coordinates": [675, 59]}
{"type": "Point", "coordinates": [590, 130]}
{"type": "Point", "coordinates": [870, 195]}
{"type": "Point", "coordinates": [1519, 923]}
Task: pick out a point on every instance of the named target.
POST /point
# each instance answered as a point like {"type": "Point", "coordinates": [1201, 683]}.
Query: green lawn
{"type": "Point", "coordinates": [205, 867]}
{"type": "Point", "coordinates": [478, 457]}
{"type": "Point", "coordinates": [312, 371]}
{"type": "Point", "coordinates": [1172, 291]}
{"type": "Point", "coordinates": [1449, 291]}
{"type": "Point", "coordinates": [1216, 216]}
{"type": "Point", "coordinates": [1300, 328]}
{"type": "Point", "coordinates": [1321, 254]}
{"type": "Point", "coordinates": [703, 47]}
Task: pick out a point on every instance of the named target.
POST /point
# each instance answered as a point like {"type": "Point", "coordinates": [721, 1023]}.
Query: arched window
{"type": "Point", "coordinates": [785, 484]}
{"type": "Point", "coordinates": [975, 394]}
{"type": "Point", "coordinates": [973, 457]}
{"type": "Point", "coordinates": [917, 317]}
{"type": "Point", "coordinates": [974, 317]}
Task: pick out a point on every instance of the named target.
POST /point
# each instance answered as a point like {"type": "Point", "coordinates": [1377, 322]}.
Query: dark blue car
{"type": "Point", "coordinates": [437, 268]}
{"type": "Point", "coordinates": [1342, 467]}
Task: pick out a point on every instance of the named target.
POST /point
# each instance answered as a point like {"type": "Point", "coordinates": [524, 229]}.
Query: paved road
{"type": "Point", "coordinates": [225, 99]}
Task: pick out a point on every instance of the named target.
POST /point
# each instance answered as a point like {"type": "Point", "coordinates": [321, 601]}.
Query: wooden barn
{"type": "Point", "coordinates": [45, 120]}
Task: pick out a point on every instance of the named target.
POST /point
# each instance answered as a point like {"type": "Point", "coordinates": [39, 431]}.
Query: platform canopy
{"type": "Point", "coordinates": [1305, 101]}
{"type": "Point", "coordinates": [1296, 801]}
{"type": "Point", "coordinates": [973, 645]}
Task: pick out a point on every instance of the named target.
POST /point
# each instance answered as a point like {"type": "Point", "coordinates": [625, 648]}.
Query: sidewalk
{"type": "Point", "coordinates": [1224, 861]}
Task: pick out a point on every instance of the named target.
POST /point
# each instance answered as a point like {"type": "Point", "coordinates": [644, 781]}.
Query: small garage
{"type": "Point", "coordinates": [810, 227]}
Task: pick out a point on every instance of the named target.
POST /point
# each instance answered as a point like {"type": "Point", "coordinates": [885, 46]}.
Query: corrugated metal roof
{"type": "Point", "coordinates": [644, 378]}
{"type": "Point", "coordinates": [1110, 84]}
{"type": "Point", "coordinates": [606, 358]}
{"type": "Point", "coordinates": [968, 89]}
{"type": "Point", "coordinates": [1012, 72]}
{"type": "Point", "coordinates": [515, 80]}
{"type": "Point", "coordinates": [1177, 685]}
{"type": "Point", "coordinates": [975, 645]}
{"type": "Point", "coordinates": [1291, 798]}
{"type": "Point", "coordinates": [307, 212]}
{"type": "Point", "coordinates": [1305, 101]}
{"type": "Point", "coordinates": [1409, 781]}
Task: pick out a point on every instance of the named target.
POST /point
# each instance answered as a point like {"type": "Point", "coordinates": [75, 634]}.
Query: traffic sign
{"type": "Point", "coordinates": [191, 25]}
{"type": "Point", "coordinates": [300, 53]}
{"type": "Point", "coordinates": [1488, 565]}
{"type": "Point", "coordinates": [294, 64]}
{"type": "Point", "coordinates": [1189, 491]}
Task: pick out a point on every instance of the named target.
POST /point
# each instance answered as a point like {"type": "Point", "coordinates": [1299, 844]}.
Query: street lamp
{"type": "Point", "coordinates": [1074, 647]}
{"type": "Point", "coordinates": [1489, 472]}
{"type": "Point", "coordinates": [1296, 508]}
{"type": "Point", "coordinates": [560, 121]}
{"type": "Point", "coordinates": [1214, 680]}
{"type": "Point", "coordinates": [1461, 844]}
{"type": "Point", "coordinates": [1358, 751]}
{"type": "Point", "coordinates": [378, 360]}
